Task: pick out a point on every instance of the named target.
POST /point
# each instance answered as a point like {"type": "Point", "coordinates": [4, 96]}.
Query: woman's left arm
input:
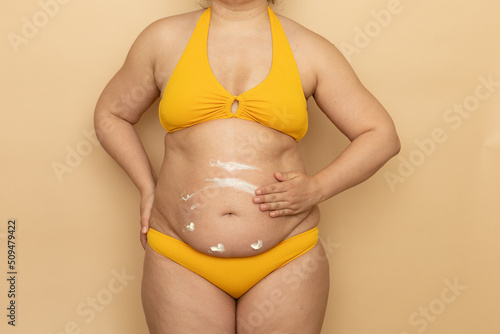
{"type": "Point", "coordinates": [359, 116]}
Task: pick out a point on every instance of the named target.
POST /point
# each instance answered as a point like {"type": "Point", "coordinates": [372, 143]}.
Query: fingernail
{"type": "Point", "coordinates": [144, 230]}
{"type": "Point", "coordinates": [258, 192]}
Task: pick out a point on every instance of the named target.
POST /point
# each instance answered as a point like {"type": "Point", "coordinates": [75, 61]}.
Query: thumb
{"type": "Point", "coordinates": [144, 232]}
{"type": "Point", "coordinates": [145, 222]}
{"type": "Point", "coordinates": [285, 176]}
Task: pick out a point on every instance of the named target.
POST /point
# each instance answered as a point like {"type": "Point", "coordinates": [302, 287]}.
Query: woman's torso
{"type": "Point", "coordinates": [204, 190]}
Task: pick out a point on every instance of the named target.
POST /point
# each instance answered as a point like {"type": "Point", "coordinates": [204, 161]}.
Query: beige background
{"type": "Point", "coordinates": [429, 219]}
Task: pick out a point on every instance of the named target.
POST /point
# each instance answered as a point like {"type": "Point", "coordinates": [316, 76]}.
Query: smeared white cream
{"type": "Point", "coordinates": [231, 166]}
{"type": "Point", "coordinates": [234, 183]}
{"type": "Point", "coordinates": [190, 227]}
{"type": "Point", "coordinates": [219, 248]}
{"type": "Point", "coordinates": [258, 245]}
{"type": "Point", "coordinates": [223, 183]}
{"type": "Point", "coordinates": [187, 197]}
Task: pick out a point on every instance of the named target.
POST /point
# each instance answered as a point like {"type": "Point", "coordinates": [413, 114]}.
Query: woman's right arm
{"type": "Point", "coordinates": [125, 98]}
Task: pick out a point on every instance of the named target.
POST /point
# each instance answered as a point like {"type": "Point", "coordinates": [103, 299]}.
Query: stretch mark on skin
{"type": "Point", "coordinates": [234, 183]}
{"type": "Point", "coordinates": [190, 227]}
{"type": "Point", "coordinates": [219, 248]}
{"type": "Point", "coordinates": [231, 166]}
{"type": "Point", "coordinates": [258, 245]}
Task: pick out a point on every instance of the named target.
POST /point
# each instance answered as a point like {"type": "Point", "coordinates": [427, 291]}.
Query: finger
{"type": "Point", "coordinates": [286, 176]}
{"type": "Point", "coordinates": [271, 189]}
{"type": "Point", "coordinates": [144, 231]}
{"type": "Point", "coordinates": [280, 213]}
{"type": "Point", "coordinates": [144, 240]}
{"type": "Point", "coordinates": [276, 197]}
{"type": "Point", "coordinates": [273, 206]}
{"type": "Point", "coordinates": [145, 218]}
{"type": "Point", "coordinates": [144, 222]}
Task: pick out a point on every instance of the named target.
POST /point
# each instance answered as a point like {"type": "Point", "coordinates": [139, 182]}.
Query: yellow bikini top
{"type": "Point", "coordinates": [193, 94]}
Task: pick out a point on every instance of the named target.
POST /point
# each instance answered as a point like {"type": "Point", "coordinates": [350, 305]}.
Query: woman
{"type": "Point", "coordinates": [229, 226]}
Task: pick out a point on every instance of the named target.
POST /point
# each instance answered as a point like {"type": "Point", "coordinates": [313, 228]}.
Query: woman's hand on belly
{"type": "Point", "coordinates": [206, 187]}
{"type": "Point", "coordinates": [294, 193]}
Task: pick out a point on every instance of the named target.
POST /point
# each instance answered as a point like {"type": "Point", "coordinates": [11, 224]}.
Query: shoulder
{"type": "Point", "coordinates": [313, 52]}
{"type": "Point", "coordinates": [164, 33]}
{"type": "Point", "coordinates": [174, 24]}
{"type": "Point", "coordinates": [298, 35]}
{"type": "Point", "coordinates": [171, 27]}
{"type": "Point", "coordinates": [156, 46]}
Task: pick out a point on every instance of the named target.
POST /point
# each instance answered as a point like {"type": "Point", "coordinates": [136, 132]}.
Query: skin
{"type": "Point", "coordinates": [175, 299]}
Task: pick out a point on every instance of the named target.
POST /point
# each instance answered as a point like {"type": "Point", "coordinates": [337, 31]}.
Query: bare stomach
{"type": "Point", "coordinates": [208, 180]}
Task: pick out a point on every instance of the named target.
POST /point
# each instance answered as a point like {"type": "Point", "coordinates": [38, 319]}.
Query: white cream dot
{"type": "Point", "coordinates": [258, 245]}
{"type": "Point", "coordinates": [219, 248]}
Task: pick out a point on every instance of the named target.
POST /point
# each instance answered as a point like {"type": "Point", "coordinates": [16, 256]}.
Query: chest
{"type": "Point", "coordinates": [240, 60]}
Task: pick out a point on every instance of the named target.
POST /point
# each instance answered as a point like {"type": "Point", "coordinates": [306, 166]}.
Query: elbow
{"type": "Point", "coordinates": [99, 119]}
{"type": "Point", "coordinates": [393, 143]}
{"type": "Point", "coordinates": [99, 115]}
{"type": "Point", "coordinates": [104, 123]}
{"type": "Point", "coordinates": [388, 142]}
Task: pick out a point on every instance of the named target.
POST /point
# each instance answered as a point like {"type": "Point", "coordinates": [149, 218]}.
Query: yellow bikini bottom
{"type": "Point", "coordinates": [234, 275]}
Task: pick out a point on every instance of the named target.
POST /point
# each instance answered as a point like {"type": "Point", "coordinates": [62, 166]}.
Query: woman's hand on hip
{"type": "Point", "coordinates": [147, 200]}
{"type": "Point", "coordinates": [295, 193]}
